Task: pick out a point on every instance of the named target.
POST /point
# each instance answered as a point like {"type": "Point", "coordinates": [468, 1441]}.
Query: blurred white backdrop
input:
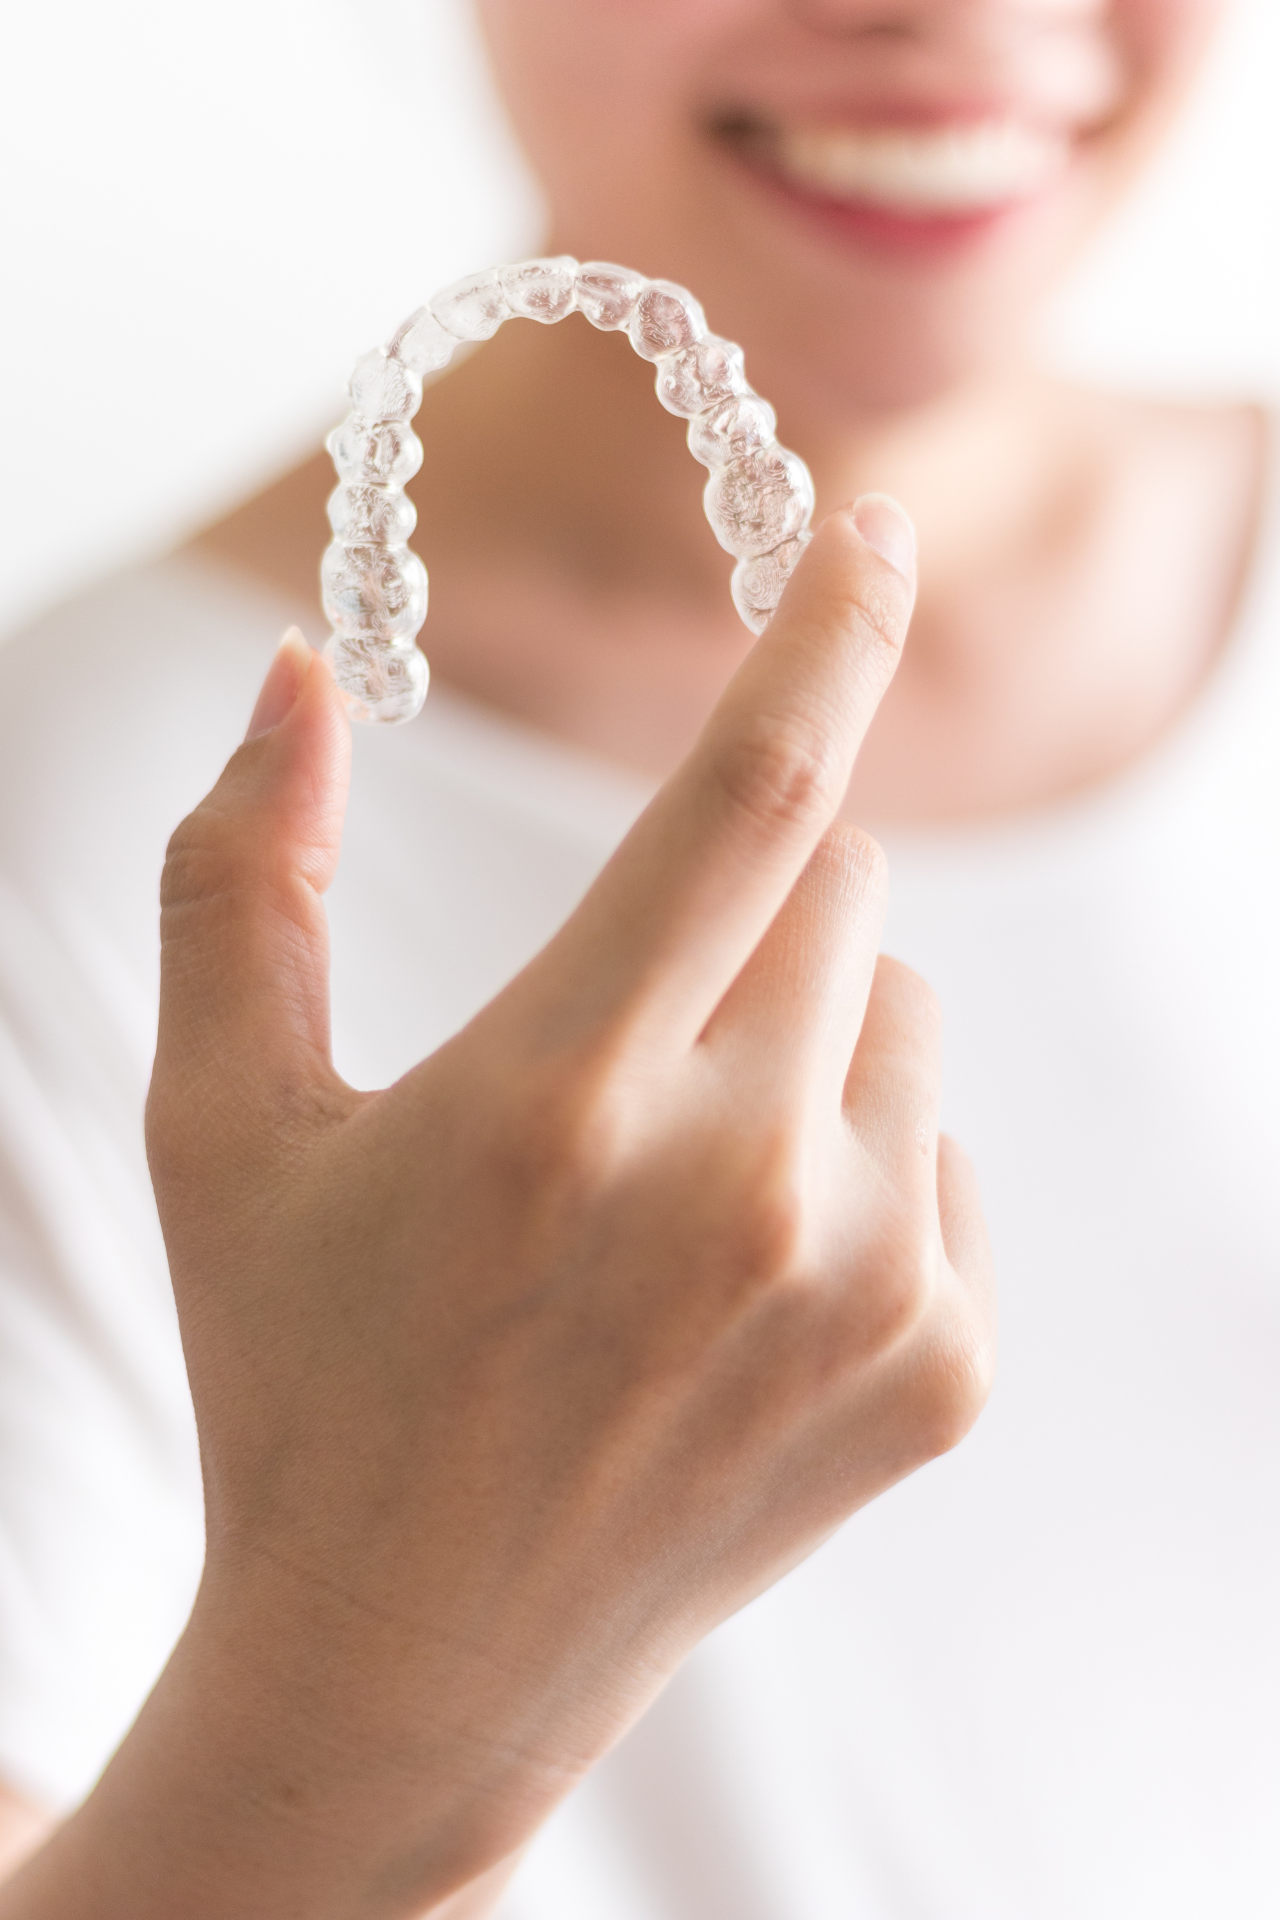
{"type": "Point", "coordinates": [208, 212]}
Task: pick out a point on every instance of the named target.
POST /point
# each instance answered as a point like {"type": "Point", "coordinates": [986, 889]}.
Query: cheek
{"type": "Point", "coordinates": [1159, 48]}
{"type": "Point", "coordinates": [594, 82]}
{"type": "Point", "coordinates": [1163, 43]}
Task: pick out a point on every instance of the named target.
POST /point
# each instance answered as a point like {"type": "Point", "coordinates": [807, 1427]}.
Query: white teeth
{"type": "Point", "coordinates": [956, 169]}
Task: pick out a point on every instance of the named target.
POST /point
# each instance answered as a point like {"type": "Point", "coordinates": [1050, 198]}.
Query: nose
{"type": "Point", "coordinates": [1064, 56]}
{"type": "Point", "coordinates": [922, 19]}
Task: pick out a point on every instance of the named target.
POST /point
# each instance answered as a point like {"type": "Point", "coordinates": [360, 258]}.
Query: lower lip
{"type": "Point", "coordinates": [886, 228]}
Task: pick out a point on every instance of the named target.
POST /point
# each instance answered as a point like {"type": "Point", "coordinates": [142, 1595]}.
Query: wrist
{"type": "Point", "coordinates": [259, 1781]}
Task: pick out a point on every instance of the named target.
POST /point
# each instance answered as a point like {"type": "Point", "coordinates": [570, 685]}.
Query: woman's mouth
{"type": "Point", "coordinates": [922, 170]}
{"type": "Point", "coordinates": [919, 184]}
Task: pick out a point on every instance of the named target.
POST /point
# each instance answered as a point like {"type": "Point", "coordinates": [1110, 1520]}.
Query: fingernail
{"type": "Point", "coordinates": [887, 529]}
{"type": "Point", "coordinates": [283, 684]}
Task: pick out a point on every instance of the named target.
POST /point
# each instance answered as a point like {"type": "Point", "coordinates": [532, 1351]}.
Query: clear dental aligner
{"type": "Point", "coordinates": [758, 498]}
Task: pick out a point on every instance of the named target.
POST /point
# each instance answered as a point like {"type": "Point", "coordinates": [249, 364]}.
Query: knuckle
{"type": "Point", "coordinates": [741, 1209]}
{"type": "Point", "coordinates": [914, 1001]}
{"type": "Point", "coordinates": [980, 1350]}
{"type": "Point", "coordinates": [865, 854]}
{"type": "Point", "coordinates": [767, 1233]}
{"type": "Point", "coordinates": [562, 1134]}
{"type": "Point", "coordinates": [163, 1133]}
{"type": "Point", "coordinates": [200, 859]}
{"type": "Point", "coordinates": [955, 1381]}
{"type": "Point", "coordinates": [187, 1139]}
{"type": "Point", "coordinates": [856, 861]}
{"type": "Point", "coordinates": [220, 872]}
{"type": "Point", "coordinates": [904, 1288]}
{"type": "Point", "coordinates": [782, 773]}
{"type": "Point", "coordinates": [876, 621]}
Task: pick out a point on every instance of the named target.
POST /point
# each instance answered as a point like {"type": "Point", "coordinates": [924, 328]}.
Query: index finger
{"type": "Point", "coordinates": [686, 899]}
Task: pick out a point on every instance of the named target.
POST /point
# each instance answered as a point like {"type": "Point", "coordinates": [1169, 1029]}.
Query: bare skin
{"type": "Point", "coordinates": [516, 1378]}
{"type": "Point", "coordinates": [23, 1827]}
{"type": "Point", "coordinates": [1082, 556]}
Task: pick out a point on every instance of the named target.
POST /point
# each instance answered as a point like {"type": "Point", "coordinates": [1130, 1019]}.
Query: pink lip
{"type": "Point", "coordinates": [883, 228]}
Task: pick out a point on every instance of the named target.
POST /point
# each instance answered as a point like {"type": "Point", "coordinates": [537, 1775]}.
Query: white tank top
{"type": "Point", "coordinates": [1038, 1681]}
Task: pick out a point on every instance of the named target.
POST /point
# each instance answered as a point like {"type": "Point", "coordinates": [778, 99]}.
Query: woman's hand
{"type": "Point", "coordinates": [515, 1379]}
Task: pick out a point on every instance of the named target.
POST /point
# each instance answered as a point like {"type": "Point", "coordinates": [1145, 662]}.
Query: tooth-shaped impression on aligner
{"type": "Point", "coordinates": [758, 498]}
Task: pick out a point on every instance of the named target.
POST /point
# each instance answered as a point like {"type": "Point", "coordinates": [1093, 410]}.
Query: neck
{"type": "Point", "coordinates": [1079, 561]}
{"type": "Point", "coordinates": [584, 476]}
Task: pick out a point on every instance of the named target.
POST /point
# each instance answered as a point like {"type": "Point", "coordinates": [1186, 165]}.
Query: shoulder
{"type": "Point", "coordinates": [1183, 525]}
{"type": "Point", "coordinates": [1205, 463]}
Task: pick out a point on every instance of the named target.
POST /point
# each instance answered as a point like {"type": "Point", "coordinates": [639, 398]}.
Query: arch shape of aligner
{"type": "Point", "coordinates": [758, 497]}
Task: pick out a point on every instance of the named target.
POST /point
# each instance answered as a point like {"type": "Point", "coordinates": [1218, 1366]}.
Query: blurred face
{"type": "Point", "coordinates": [871, 195]}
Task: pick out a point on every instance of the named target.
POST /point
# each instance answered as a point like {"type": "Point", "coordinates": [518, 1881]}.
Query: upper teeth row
{"type": "Point", "coordinates": [951, 168]}
{"type": "Point", "coordinates": [758, 499]}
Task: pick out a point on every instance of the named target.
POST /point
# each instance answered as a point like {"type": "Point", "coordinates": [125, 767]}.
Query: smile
{"type": "Point", "coordinates": [955, 171]}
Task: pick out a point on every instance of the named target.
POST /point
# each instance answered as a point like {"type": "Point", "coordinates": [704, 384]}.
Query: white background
{"type": "Point", "coordinates": [210, 211]}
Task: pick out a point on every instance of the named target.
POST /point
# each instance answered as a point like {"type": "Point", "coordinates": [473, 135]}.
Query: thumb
{"type": "Point", "coordinates": [244, 949]}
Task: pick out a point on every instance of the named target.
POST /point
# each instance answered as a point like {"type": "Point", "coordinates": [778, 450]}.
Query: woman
{"type": "Point", "coordinates": [1038, 1678]}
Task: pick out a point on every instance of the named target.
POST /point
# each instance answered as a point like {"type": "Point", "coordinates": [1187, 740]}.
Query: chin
{"type": "Point", "coordinates": [830, 357]}
{"type": "Point", "coordinates": [879, 362]}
